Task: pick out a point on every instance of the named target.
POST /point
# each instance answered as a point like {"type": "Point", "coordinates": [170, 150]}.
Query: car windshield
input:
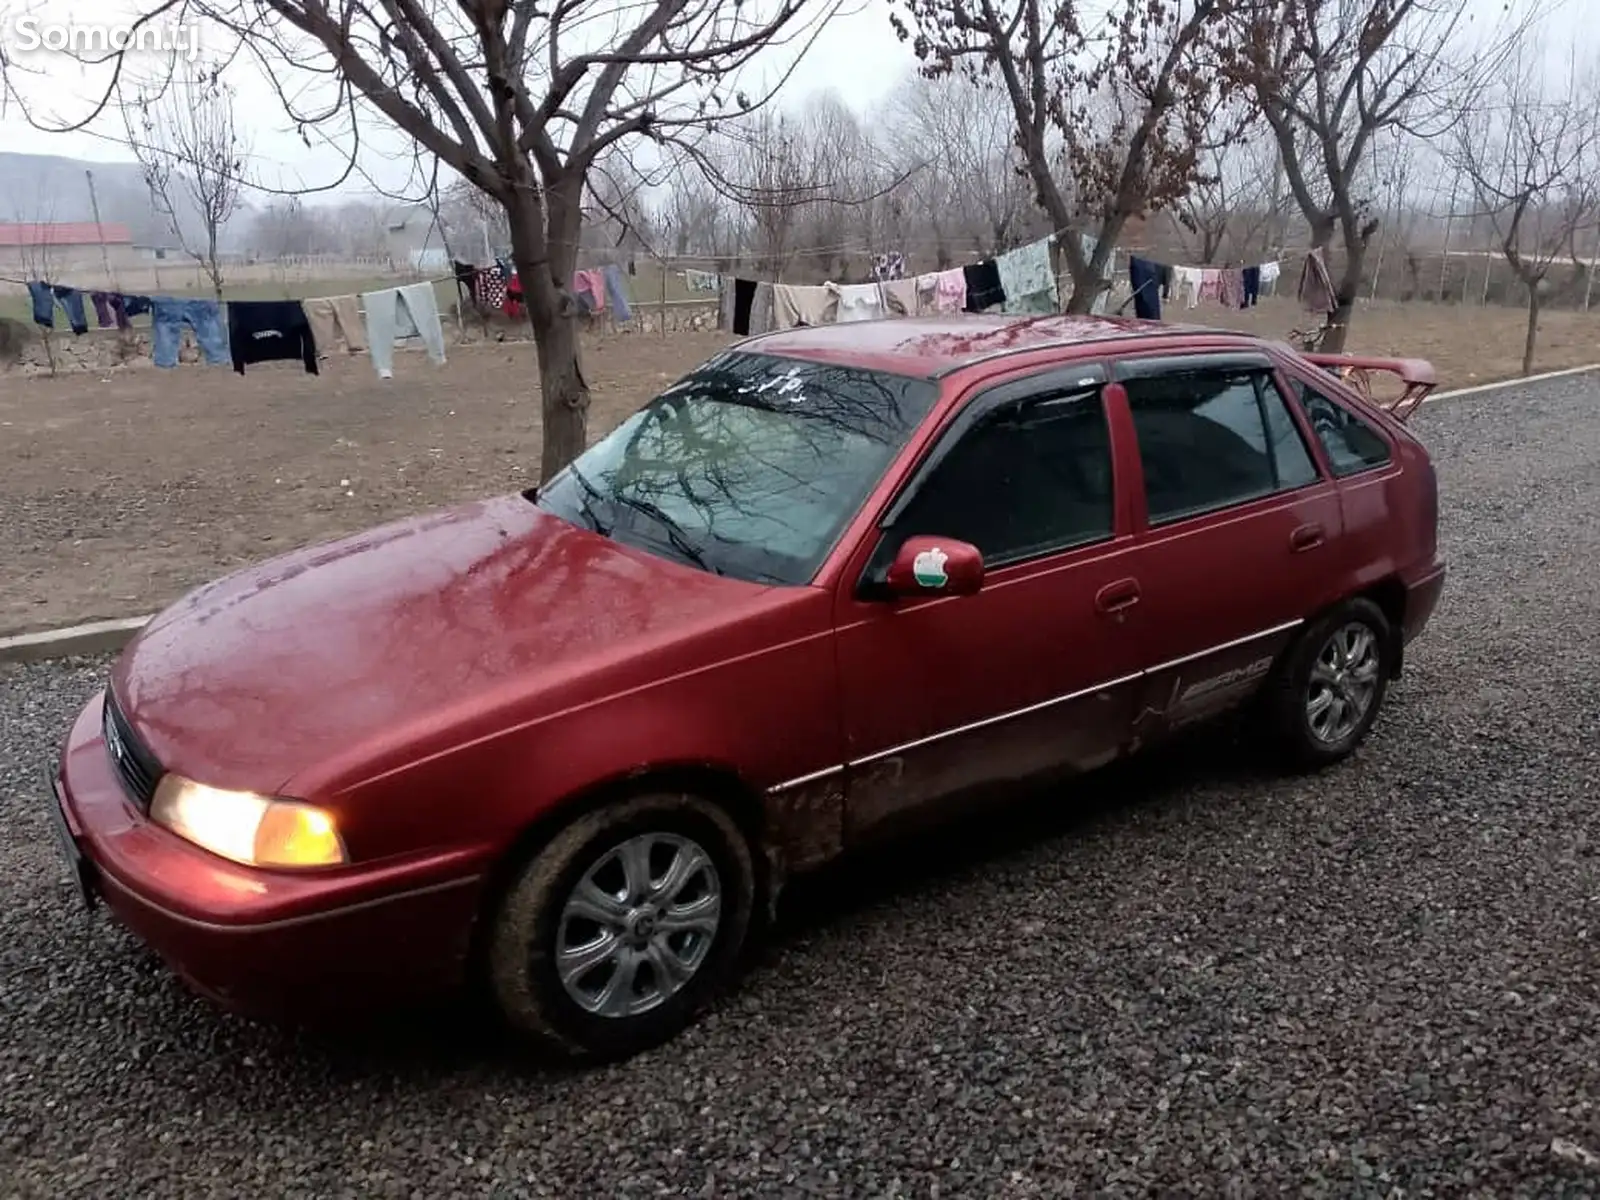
{"type": "Point", "coordinates": [749, 467]}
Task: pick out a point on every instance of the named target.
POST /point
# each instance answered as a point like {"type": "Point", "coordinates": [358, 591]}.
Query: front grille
{"type": "Point", "coordinates": [135, 767]}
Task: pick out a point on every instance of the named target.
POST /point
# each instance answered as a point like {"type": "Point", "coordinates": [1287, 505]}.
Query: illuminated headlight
{"type": "Point", "coordinates": [259, 831]}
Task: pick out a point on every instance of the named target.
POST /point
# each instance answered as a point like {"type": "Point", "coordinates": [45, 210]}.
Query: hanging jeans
{"type": "Point", "coordinates": [410, 311]}
{"type": "Point", "coordinates": [72, 300]}
{"type": "Point", "coordinates": [167, 319]}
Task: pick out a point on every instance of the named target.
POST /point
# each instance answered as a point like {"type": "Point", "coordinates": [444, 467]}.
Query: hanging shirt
{"type": "Point", "coordinates": [268, 331]}
{"type": "Point", "coordinates": [858, 301]}
{"type": "Point", "coordinates": [1269, 273]}
{"type": "Point", "coordinates": [1028, 280]}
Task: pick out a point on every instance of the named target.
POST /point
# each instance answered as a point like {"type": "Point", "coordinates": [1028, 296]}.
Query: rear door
{"type": "Point", "coordinates": [1237, 528]}
{"type": "Point", "coordinates": [1036, 672]}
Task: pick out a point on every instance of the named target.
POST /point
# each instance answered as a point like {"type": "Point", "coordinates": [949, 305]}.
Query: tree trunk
{"type": "Point", "coordinates": [1089, 275]}
{"type": "Point", "coordinates": [544, 268]}
{"type": "Point", "coordinates": [1344, 300]}
{"type": "Point", "coordinates": [1532, 336]}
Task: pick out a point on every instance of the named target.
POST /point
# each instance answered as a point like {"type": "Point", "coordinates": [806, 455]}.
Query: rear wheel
{"type": "Point", "coordinates": [1331, 684]}
{"type": "Point", "coordinates": [618, 932]}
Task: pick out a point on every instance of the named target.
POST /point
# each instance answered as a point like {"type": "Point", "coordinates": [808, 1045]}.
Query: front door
{"type": "Point", "coordinates": [1035, 672]}
{"type": "Point", "coordinates": [1240, 532]}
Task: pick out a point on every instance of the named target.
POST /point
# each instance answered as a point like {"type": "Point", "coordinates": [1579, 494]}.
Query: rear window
{"type": "Point", "coordinates": [1351, 443]}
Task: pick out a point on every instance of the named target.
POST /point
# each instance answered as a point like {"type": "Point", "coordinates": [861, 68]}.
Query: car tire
{"type": "Point", "coordinates": [584, 917]}
{"type": "Point", "coordinates": [1320, 706]}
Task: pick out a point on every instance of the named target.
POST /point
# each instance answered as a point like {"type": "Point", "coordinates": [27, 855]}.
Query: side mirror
{"type": "Point", "coordinates": [935, 566]}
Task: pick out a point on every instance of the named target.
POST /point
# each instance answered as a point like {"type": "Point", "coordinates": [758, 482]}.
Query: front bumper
{"type": "Point", "coordinates": [264, 942]}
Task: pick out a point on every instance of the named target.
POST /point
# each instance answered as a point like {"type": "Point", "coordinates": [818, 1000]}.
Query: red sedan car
{"type": "Point", "coordinates": [568, 744]}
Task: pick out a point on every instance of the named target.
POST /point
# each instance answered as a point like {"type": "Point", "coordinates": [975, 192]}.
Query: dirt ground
{"type": "Point", "coordinates": [117, 494]}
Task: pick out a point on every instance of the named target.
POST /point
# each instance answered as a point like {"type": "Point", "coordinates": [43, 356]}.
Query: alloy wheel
{"type": "Point", "coordinates": [638, 924]}
{"type": "Point", "coordinates": [1344, 682]}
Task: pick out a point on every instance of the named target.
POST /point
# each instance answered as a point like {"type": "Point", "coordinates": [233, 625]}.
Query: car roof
{"type": "Point", "coordinates": [931, 347]}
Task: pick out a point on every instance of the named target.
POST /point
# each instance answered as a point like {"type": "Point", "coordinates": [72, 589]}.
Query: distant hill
{"type": "Point", "coordinates": [45, 187]}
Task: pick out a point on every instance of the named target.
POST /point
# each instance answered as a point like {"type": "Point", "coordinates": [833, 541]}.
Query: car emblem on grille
{"type": "Point", "coordinates": [114, 741]}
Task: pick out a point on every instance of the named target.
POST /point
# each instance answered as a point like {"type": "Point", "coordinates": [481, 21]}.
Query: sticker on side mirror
{"type": "Point", "coordinates": [928, 568]}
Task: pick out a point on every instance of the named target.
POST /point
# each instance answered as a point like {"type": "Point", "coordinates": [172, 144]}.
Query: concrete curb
{"type": "Point", "coordinates": [1505, 383]}
{"type": "Point", "coordinates": [96, 637]}
{"type": "Point", "coordinates": [99, 637]}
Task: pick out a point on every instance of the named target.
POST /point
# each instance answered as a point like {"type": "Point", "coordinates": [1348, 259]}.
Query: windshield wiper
{"type": "Point", "coordinates": [676, 536]}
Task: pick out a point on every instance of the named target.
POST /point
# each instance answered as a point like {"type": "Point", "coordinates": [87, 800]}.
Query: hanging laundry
{"type": "Point", "coordinates": [1145, 278]}
{"type": "Point", "coordinates": [617, 292]}
{"type": "Point", "coordinates": [1210, 284]}
{"type": "Point", "coordinates": [900, 297]}
{"type": "Point", "coordinates": [125, 307]}
{"type": "Point", "coordinates": [744, 296]}
{"type": "Point", "coordinates": [489, 288]}
{"type": "Point", "coordinates": [858, 301]}
{"type": "Point", "coordinates": [395, 313]}
{"type": "Point", "coordinates": [889, 266]}
{"type": "Point", "coordinates": [466, 281]}
{"type": "Point", "coordinates": [592, 285]}
{"type": "Point", "coordinates": [270, 331]}
{"type": "Point", "coordinates": [336, 320]}
{"type": "Point", "coordinates": [1269, 276]}
{"type": "Point", "coordinates": [513, 303]}
{"type": "Point", "coordinates": [204, 317]}
{"type": "Point", "coordinates": [1251, 277]}
{"type": "Point", "coordinates": [1230, 289]}
{"type": "Point", "coordinates": [1316, 292]}
{"type": "Point", "coordinates": [104, 316]}
{"type": "Point", "coordinates": [701, 281]}
{"type": "Point", "coordinates": [761, 309]}
{"type": "Point", "coordinates": [1166, 281]}
{"type": "Point", "coordinates": [1028, 280]}
{"type": "Point", "coordinates": [1186, 282]}
{"type": "Point", "coordinates": [983, 285]}
{"type": "Point", "coordinates": [72, 300]}
{"type": "Point", "coordinates": [950, 291]}
{"type": "Point", "coordinates": [793, 306]}
{"type": "Point", "coordinates": [44, 304]}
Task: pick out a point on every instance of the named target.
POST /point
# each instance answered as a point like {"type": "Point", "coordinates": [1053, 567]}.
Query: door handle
{"type": "Point", "coordinates": [1115, 597]}
{"type": "Point", "coordinates": [1307, 537]}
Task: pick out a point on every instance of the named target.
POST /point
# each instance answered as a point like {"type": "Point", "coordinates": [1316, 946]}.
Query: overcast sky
{"type": "Point", "coordinates": [857, 55]}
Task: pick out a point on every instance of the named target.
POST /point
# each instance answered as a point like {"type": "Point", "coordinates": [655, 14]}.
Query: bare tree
{"type": "Point", "coordinates": [1123, 103]}
{"type": "Point", "coordinates": [184, 135]}
{"type": "Point", "coordinates": [1531, 151]}
{"type": "Point", "coordinates": [1329, 75]}
{"type": "Point", "coordinates": [520, 99]}
{"type": "Point", "coordinates": [1230, 205]}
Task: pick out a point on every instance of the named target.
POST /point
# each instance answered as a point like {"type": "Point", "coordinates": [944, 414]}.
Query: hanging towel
{"type": "Point", "coordinates": [617, 291]}
{"type": "Point", "coordinates": [1252, 286]}
{"type": "Point", "coordinates": [270, 331]}
{"type": "Point", "coordinates": [1210, 284]}
{"type": "Point", "coordinates": [858, 301]}
{"type": "Point", "coordinates": [1187, 282]}
{"type": "Point", "coordinates": [1145, 278]}
{"type": "Point", "coordinates": [395, 313]}
{"type": "Point", "coordinates": [1269, 274]}
{"type": "Point", "coordinates": [900, 297]}
{"type": "Point", "coordinates": [950, 291]}
{"type": "Point", "coordinates": [983, 285]}
{"type": "Point", "coordinates": [1316, 285]}
{"type": "Point", "coordinates": [744, 297]}
{"type": "Point", "coordinates": [761, 308]}
{"type": "Point", "coordinates": [167, 319]}
{"type": "Point", "coordinates": [793, 306]}
{"type": "Point", "coordinates": [336, 320]}
{"type": "Point", "coordinates": [1027, 279]}
{"type": "Point", "coordinates": [1230, 288]}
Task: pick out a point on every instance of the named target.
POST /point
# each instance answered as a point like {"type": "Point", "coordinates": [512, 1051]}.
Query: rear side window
{"type": "Point", "coordinates": [1210, 438]}
{"type": "Point", "coordinates": [1351, 444]}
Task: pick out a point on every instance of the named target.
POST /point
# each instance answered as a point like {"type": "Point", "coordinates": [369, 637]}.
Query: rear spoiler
{"type": "Point", "coordinates": [1354, 369]}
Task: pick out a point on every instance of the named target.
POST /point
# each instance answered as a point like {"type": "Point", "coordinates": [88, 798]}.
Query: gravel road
{"type": "Point", "coordinates": [1201, 979]}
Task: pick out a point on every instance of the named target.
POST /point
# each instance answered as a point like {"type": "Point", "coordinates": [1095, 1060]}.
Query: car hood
{"type": "Point", "coordinates": [313, 655]}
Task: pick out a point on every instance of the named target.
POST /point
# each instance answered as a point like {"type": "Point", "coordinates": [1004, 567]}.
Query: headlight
{"type": "Point", "coordinates": [259, 831]}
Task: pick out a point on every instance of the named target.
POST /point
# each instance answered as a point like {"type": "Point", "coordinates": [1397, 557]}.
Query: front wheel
{"type": "Point", "coordinates": [619, 931]}
{"type": "Point", "coordinates": [1331, 684]}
